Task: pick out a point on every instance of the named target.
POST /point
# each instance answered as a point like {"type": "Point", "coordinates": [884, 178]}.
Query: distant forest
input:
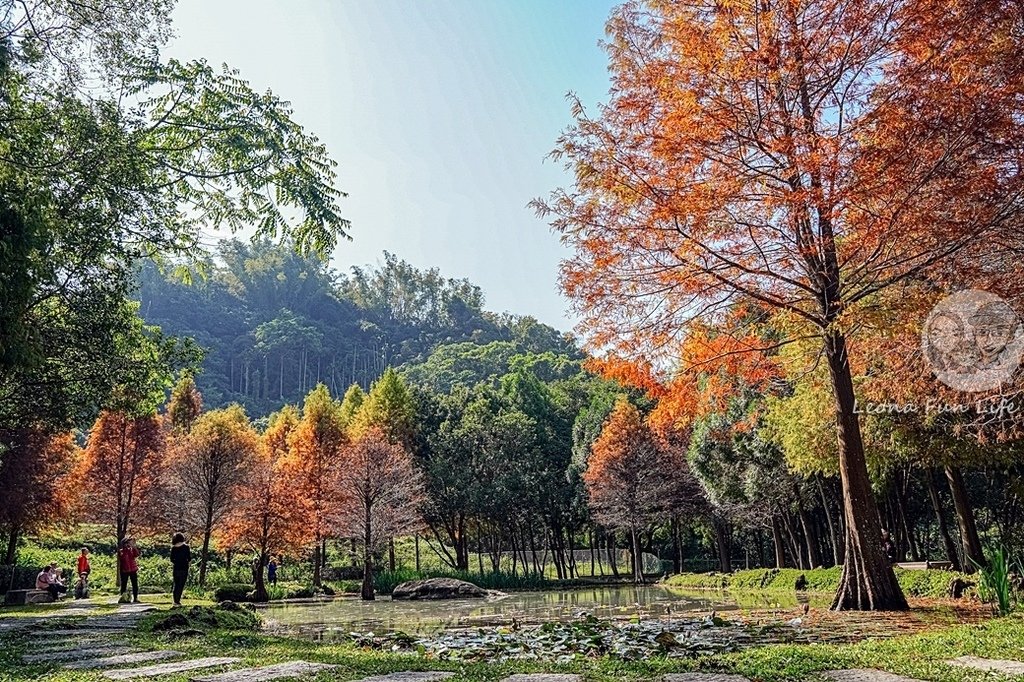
{"type": "Point", "coordinates": [272, 324]}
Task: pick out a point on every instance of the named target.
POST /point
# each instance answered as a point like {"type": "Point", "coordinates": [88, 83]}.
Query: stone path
{"type": "Point", "coordinates": [865, 676]}
{"type": "Point", "coordinates": [77, 653]}
{"type": "Point", "coordinates": [704, 677]}
{"type": "Point", "coordinates": [543, 678]}
{"type": "Point", "coordinates": [170, 668]}
{"type": "Point", "coordinates": [270, 672]}
{"type": "Point", "coordinates": [123, 659]}
{"type": "Point", "coordinates": [408, 677]}
{"type": "Point", "coordinates": [989, 665]}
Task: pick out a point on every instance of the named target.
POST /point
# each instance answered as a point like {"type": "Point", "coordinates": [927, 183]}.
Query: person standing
{"type": "Point", "coordinates": [128, 561]}
{"type": "Point", "coordinates": [84, 569]}
{"type": "Point", "coordinates": [272, 571]}
{"type": "Point", "coordinates": [181, 559]}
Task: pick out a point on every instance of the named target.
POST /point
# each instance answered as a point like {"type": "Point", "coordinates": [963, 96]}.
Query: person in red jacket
{"type": "Point", "coordinates": [84, 569]}
{"type": "Point", "coordinates": [127, 558]}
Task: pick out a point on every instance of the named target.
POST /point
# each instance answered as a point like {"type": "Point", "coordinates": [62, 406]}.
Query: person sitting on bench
{"type": "Point", "coordinates": [49, 581]}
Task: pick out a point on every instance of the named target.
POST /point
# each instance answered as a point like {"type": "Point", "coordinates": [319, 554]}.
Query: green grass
{"type": "Point", "coordinates": [925, 584]}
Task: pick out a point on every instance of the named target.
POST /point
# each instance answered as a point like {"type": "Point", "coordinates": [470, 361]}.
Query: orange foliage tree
{"type": "Point", "coordinates": [121, 470]}
{"type": "Point", "coordinates": [312, 467]}
{"type": "Point", "coordinates": [263, 516]}
{"type": "Point", "coordinates": [37, 490]}
{"type": "Point", "coordinates": [209, 465]}
{"type": "Point", "coordinates": [630, 476]}
{"type": "Point", "coordinates": [807, 155]}
{"type": "Point", "coordinates": [384, 490]}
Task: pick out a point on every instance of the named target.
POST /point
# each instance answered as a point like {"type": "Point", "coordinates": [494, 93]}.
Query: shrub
{"type": "Point", "coordinates": [203, 618]}
{"type": "Point", "coordinates": [239, 592]}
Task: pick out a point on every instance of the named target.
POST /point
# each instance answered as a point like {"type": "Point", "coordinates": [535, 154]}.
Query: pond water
{"type": "Point", "coordinates": [338, 617]}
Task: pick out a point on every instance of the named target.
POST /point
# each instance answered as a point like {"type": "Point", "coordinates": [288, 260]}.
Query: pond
{"type": "Point", "coordinates": [337, 617]}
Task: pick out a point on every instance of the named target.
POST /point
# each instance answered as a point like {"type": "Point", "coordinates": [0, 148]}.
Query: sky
{"type": "Point", "coordinates": [440, 114]}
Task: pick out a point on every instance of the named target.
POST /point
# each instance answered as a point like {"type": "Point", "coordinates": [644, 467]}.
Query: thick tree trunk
{"type": "Point", "coordinates": [868, 581]}
{"type": "Point", "coordinates": [940, 518]}
{"type": "Point", "coordinates": [974, 556]}
{"type": "Point", "coordinates": [722, 542]}
{"type": "Point", "coordinates": [316, 564]}
{"type": "Point", "coordinates": [261, 595]}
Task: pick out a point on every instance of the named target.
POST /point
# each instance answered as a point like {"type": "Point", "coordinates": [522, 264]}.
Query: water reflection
{"type": "Point", "coordinates": [346, 615]}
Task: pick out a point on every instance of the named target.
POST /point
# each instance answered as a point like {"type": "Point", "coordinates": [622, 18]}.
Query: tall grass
{"type": "Point", "coordinates": [994, 584]}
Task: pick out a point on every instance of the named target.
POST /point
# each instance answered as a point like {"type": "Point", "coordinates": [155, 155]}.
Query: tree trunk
{"type": "Point", "coordinates": [974, 556]}
{"type": "Point", "coordinates": [722, 542]}
{"type": "Point", "coordinates": [417, 553]}
{"type": "Point", "coordinates": [391, 555]}
{"type": "Point", "coordinates": [833, 535]}
{"type": "Point", "coordinates": [204, 553]}
{"type": "Point", "coordinates": [638, 566]}
{"type": "Point", "coordinates": [794, 544]}
{"type": "Point", "coordinates": [316, 564]}
{"type": "Point", "coordinates": [610, 539]}
{"type": "Point", "coordinates": [940, 517]}
{"type": "Point", "coordinates": [908, 530]}
{"type": "Point", "coordinates": [868, 581]}
{"type": "Point", "coordinates": [12, 546]}
{"type": "Point", "coordinates": [780, 554]}
{"type": "Point", "coordinates": [261, 595]}
{"type": "Point", "coordinates": [809, 537]}
{"type": "Point", "coordinates": [367, 590]}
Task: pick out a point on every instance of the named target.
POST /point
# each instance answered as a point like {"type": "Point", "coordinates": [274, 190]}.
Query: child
{"type": "Point", "coordinates": [84, 569]}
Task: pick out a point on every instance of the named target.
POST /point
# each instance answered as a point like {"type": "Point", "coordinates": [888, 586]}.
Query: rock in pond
{"type": "Point", "coordinates": [438, 588]}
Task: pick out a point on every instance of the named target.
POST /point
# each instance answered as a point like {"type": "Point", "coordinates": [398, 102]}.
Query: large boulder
{"type": "Point", "coordinates": [438, 588]}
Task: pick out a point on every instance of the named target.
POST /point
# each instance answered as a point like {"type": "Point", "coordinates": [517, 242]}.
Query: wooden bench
{"type": "Point", "coordinates": [22, 597]}
{"type": "Point", "coordinates": [926, 565]}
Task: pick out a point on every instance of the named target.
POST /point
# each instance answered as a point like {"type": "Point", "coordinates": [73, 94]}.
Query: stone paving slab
{"type": "Point", "coordinates": [81, 634]}
{"type": "Point", "coordinates": [76, 653]}
{"type": "Point", "coordinates": [704, 677]}
{"type": "Point", "coordinates": [270, 672]}
{"type": "Point", "coordinates": [866, 676]}
{"type": "Point", "coordinates": [124, 659]}
{"type": "Point", "coordinates": [408, 677]}
{"type": "Point", "coordinates": [169, 668]}
{"type": "Point", "coordinates": [989, 665]}
{"type": "Point", "coordinates": [542, 678]}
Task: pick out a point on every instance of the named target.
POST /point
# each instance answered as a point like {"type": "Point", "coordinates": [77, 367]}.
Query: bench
{"type": "Point", "coordinates": [22, 597]}
{"type": "Point", "coordinates": [926, 565]}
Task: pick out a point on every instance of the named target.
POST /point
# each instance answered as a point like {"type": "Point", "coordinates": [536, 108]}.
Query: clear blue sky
{"type": "Point", "coordinates": [439, 113]}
